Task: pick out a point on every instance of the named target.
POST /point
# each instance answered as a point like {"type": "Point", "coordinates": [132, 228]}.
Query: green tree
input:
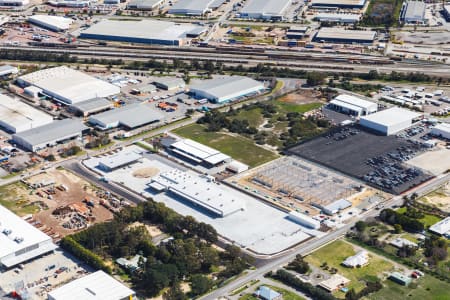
{"type": "Point", "coordinates": [397, 228]}
{"type": "Point", "coordinates": [315, 78]}
{"type": "Point", "coordinates": [361, 226]}
{"type": "Point", "coordinates": [200, 284]}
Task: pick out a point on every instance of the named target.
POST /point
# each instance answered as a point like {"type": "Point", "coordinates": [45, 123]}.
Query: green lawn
{"type": "Point", "coordinates": [426, 288]}
{"type": "Point", "coordinates": [238, 147]}
{"type": "Point", "coordinates": [253, 116]}
{"type": "Point", "coordinates": [248, 297]}
{"type": "Point", "coordinates": [335, 253]}
{"type": "Point", "coordinates": [286, 107]}
{"type": "Point", "coordinates": [427, 220]}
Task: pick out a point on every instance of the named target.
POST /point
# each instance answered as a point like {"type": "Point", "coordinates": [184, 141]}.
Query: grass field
{"type": "Point", "coordinates": [427, 220]}
{"type": "Point", "coordinates": [237, 147]}
{"type": "Point", "coordinates": [426, 288]}
{"type": "Point", "coordinates": [335, 253]}
{"type": "Point", "coordinates": [13, 197]}
{"type": "Point", "coordinates": [286, 107]}
{"type": "Point", "coordinates": [253, 116]}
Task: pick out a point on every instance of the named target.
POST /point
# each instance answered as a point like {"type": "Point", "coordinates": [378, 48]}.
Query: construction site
{"type": "Point", "coordinates": [299, 185]}
{"type": "Point", "coordinates": [68, 203]}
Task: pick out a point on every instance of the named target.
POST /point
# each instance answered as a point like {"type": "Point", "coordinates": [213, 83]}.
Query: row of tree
{"type": "Point", "coordinates": [392, 217]}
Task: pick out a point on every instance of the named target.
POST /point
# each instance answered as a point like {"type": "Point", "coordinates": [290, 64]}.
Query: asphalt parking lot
{"type": "Point", "coordinates": [378, 160]}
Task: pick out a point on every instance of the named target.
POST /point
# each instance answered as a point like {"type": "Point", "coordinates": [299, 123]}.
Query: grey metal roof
{"type": "Point", "coordinates": [221, 87]}
{"type": "Point", "coordinates": [198, 5]}
{"type": "Point", "coordinates": [131, 116]}
{"type": "Point", "coordinates": [92, 104]}
{"type": "Point", "coordinates": [414, 10]}
{"type": "Point", "coordinates": [51, 132]}
{"type": "Point", "coordinates": [340, 33]}
{"type": "Point", "coordinates": [143, 29]}
{"type": "Point", "coordinates": [170, 82]}
{"type": "Point", "coordinates": [267, 7]}
{"type": "Point", "coordinates": [144, 3]}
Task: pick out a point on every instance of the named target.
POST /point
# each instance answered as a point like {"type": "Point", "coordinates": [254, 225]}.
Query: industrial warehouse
{"type": "Point", "coordinates": [91, 106]}
{"type": "Point", "coordinates": [389, 121]}
{"type": "Point", "coordinates": [68, 86]}
{"type": "Point", "coordinates": [16, 116]}
{"type": "Point", "coordinates": [265, 9]}
{"type": "Point", "coordinates": [144, 4]}
{"type": "Point", "coordinates": [413, 12]}
{"type": "Point", "coordinates": [340, 35]}
{"type": "Point", "coordinates": [143, 31]}
{"type": "Point", "coordinates": [352, 105]}
{"type": "Point", "coordinates": [221, 90]}
{"type": "Point", "coordinates": [352, 4]}
{"type": "Point", "coordinates": [195, 8]}
{"type": "Point", "coordinates": [441, 130]}
{"type": "Point", "coordinates": [215, 200]}
{"type": "Point", "coordinates": [20, 240]}
{"type": "Point", "coordinates": [49, 135]}
{"type": "Point", "coordinates": [198, 153]}
{"type": "Point", "coordinates": [98, 285]}
{"type": "Point", "coordinates": [130, 116]}
{"type": "Point", "coordinates": [53, 23]}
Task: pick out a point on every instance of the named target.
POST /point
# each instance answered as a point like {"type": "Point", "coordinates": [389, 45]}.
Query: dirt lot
{"type": "Point", "coordinates": [61, 198]}
{"type": "Point", "coordinates": [302, 97]}
{"type": "Point", "coordinates": [439, 198]}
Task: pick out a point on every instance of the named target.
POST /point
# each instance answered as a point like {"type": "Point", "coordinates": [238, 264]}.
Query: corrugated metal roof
{"type": "Point", "coordinates": [132, 115]}
{"type": "Point", "coordinates": [51, 132]}
{"type": "Point", "coordinates": [222, 87]}
{"type": "Point", "coordinates": [391, 116]}
{"type": "Point", "coordinates": [95, 286]}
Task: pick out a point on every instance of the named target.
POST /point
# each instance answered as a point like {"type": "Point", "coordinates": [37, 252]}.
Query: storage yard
{"type": "Point", "coordinates": [378, 160]}
{"type": "Point", "coordinates": [65, 203]}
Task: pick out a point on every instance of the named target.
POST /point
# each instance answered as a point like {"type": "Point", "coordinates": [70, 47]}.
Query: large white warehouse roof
{"type": "Point", "coordinates": [17, 116]}
{"type": "Point", "coordinates": [227, 88]}
{"type": "Point", "coordinates": [391, 116]}
{"type": "Point", "coordinates": [265, 8]}
{"type": "Point", "coordinates": [95, 286]}
{"type": "Point", "coordinates": [130, 116]}
{"type": "Point", "coordinates": [68, 85]}
{"type": "Point", "coordinates": [54, 23]}
{"type": "Point", "coordinates": [189, 7]}
{"type": "Point", "coordinates": [198, 152]}
{"type": "Point", "coordinates": [144, 31]}
{"type": "Point", "coordinates": [389, 121]}
{"type": "Point", "coordinates": [19, 240]}
{"type": "Point", "coordinates": [200, 190]}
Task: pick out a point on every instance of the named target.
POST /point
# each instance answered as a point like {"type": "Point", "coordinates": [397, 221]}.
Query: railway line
{"type": "Point", "coordinates": [293, 59]}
